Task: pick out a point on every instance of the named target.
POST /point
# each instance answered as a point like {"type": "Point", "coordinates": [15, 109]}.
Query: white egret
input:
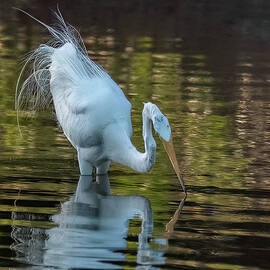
{"type": "Point", "coordinates": [91, 109]}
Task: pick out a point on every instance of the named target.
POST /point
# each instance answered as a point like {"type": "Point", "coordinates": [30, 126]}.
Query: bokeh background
{"type": "Point", "coordinates": [206, 65]}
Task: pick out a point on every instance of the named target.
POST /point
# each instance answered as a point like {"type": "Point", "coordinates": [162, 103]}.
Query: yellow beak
{"type": "Point", "coordinates": [171, 153]}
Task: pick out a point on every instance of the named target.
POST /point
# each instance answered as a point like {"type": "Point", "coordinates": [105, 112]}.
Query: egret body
{"type": "Point", "coordinates": [91, 109]}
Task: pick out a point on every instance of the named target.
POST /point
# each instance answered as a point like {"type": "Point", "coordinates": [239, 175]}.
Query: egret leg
{"type": "Point", "coordinates": [85, 166]}
{"type": "Point", "coordinates": [104, 167]}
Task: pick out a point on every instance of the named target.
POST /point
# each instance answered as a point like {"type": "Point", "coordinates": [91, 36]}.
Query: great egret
{"type": "Point", "coordinates": [90, 107]}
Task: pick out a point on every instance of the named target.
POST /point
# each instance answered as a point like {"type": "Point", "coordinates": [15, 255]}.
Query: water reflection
{"type": "Point", "coordinates": [91, 232]}
{"type": "Point", "coordinates": [171, 224]}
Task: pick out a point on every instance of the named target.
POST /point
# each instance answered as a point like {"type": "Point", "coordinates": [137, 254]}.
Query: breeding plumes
{"type": "Point", "coordinates": [91, 109]}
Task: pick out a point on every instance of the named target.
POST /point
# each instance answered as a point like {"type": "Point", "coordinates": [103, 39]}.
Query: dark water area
{"type": "Point", "coordinates": [205, 64]}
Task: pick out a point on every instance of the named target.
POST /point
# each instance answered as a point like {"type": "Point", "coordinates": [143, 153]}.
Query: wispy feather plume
{"type": "Point", "coordinates": [34, 93]}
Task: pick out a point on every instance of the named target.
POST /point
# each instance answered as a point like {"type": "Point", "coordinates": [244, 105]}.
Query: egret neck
{"type": "Point", "coordinates": [121, 149]}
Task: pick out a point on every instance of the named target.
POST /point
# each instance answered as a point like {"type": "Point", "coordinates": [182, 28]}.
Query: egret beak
{"type": "Point", "coordinates": [171, 153]}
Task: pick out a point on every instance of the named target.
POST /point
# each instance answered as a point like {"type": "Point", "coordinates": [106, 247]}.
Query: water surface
{"type": "Point", "coordinates": [206, 66]}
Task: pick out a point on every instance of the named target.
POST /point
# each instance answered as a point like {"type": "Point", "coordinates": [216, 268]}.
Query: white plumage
{"type": "Point", "coordinates": [90, 107]}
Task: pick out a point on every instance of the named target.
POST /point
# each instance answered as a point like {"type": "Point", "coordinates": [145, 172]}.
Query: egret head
{"type": "Point", "coordinates": [162, 127]}
{"type": "Point", "coordinates": [161, 124]}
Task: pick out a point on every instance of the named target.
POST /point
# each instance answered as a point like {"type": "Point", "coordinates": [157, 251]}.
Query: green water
{"type": "Point", "coordinates": [206, 67]}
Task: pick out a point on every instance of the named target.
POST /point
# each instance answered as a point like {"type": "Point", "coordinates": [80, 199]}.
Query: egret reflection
{"type": "Point", "coordinates": [91, 231]}
{"type": "Point", "coordinates": [171, 224]}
